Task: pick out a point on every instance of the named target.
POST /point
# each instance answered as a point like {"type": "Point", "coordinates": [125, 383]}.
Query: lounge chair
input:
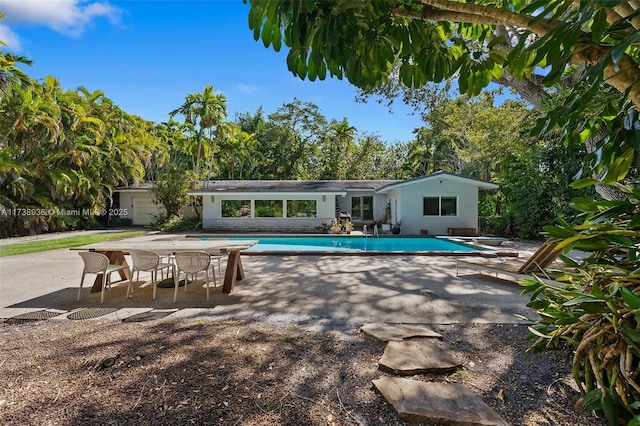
{"type": "Point", "coordinates": [537, 264]}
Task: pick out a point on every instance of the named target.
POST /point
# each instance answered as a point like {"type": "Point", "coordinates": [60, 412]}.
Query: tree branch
{"type": "Point", "coordinates": [625, 10]}
{"type": "Point", "coordinates": [473, 13]}
{"type": "Point", "coordinates": [626, 78]}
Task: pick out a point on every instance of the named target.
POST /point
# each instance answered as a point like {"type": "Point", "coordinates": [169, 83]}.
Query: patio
{"type": "Point", "coordinates": [303, 289]}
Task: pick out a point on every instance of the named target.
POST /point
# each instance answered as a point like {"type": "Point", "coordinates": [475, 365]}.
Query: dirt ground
{"type": "Point", "coordinates": [189, 371]}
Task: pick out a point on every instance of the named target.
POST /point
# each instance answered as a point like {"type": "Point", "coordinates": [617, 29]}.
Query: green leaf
{"type": "Point", "coordinates": [558, 232]}
{"type": "Point", "coordinates": [592, 399]}
{"type": "Point", "coordinates": [568, 261]}
{"type": "Point", "coordinates": [630, 298]}
{"type": "Point", "coordinates": [597, 292]}
{"type": "Point", "coordinates": [539, 334]}
{"type": "Point", "coordinates": [590, 245]}
{"type": "Point", "coordinates": [567, 321]}
{"type": "Point", "coordinates": [538, 304]}
{"type": "Point", "coordinates": [618, 239]}
{"type": "Point", "coordinates": [620, 167]}
{"type": "Point", "coordinates": [599, 24]}
{"type": "Point", "coordinates": [585, 204]}
{"type": "Point", "coordinates": [583, 183]}
{"type": "Point", "coordinates": [609, 214]}
{"type": "Point", "coordinates": [582, 299]}
{"type": "Point", "coordinates": [618, 51]}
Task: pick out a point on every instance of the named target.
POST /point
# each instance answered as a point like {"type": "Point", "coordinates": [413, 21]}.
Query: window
{"type": "Point", "coordinates": [448, 206]}
{"type": "Point", "coordinates": [269, 208]}
{"type": "Point", "coordinates": [430, 206]}
{"type": "Point", "coordinates": [236, 208]}
{"type": "Point", "coordinates": [440, 206]}
{"type": "Point", "coordinates": [362, 208]}
{"type": "Point", "coordinates": [301, 208]}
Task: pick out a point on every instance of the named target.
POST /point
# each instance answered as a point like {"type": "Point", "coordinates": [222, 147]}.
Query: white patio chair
{"type": "Point", "coordinates": [216, 255]}
{"type": "Point", "coordinates": [192, 263]}
{"type": "Point", "coordinates": [146, 260]}
{"type": "Point", "coordinates": [98, 263]}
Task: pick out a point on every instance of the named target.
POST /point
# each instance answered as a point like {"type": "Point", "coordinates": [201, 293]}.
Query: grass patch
{"type": "Point", "coordinates": [57, 243]}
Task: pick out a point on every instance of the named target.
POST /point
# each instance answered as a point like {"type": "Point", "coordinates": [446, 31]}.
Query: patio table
{"type": "Point", "coordinates": [116, 250]}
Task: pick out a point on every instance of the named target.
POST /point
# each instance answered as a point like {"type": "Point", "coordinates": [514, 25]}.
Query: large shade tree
{"type": "Point", "coordinates": [526, 44]}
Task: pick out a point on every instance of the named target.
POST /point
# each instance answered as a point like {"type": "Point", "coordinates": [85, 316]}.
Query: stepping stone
{"type": "Point", "coordinates": [388, 332]}
{"type": "Point", "coordinates": [436, 403]}
{"type": "Point", "coordinates": [411, 357]}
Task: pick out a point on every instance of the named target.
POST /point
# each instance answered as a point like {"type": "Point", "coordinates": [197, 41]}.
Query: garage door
{"type": "Point", "coordinates": [143, 211]}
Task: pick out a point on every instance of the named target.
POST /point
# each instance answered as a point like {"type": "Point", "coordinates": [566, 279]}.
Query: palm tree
{"type": "Point", "coordinates": [204, 112]}
{"type": "Point", "coordinates": [344, 135]}
{"type": "Point", "coordinates": [238, 149]}
{"type": "Point", "coordinates": [10, 73]}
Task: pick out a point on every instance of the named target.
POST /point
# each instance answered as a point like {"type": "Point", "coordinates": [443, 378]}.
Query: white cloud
{"type": "Point", "coordinates": [65, 16]}
{"type": "Point", "coordinates": [9, 38]}
{"type": "Point", "coordinates": [247, 89]}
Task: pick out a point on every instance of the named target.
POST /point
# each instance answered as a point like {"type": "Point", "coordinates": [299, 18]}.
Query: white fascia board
{"type": "Point", "coordinates": [271, 194]}
{"type": "Point", "coordinates": [421, 180]}
{"type": "Point", "coordinates": [133, 190]}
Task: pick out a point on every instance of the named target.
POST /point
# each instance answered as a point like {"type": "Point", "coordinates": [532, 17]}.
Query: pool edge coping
{"type": "Point", "coordinates": [489, 251]}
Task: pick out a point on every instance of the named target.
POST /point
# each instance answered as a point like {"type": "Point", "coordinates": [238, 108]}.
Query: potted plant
{"type": "Point", "coordinates": [348, 227]}
{"type": "Point", "coordinates": [386, 218]}
{"type": "Point", "coordinates": [395, 229]}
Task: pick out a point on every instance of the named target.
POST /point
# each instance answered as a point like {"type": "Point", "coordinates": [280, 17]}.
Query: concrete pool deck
{"type": "Point", "coordinates": [331, 290]}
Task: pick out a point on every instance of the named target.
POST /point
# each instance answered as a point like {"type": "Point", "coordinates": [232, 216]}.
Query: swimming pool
{"type": "Point", "coordinates": [324, 244]}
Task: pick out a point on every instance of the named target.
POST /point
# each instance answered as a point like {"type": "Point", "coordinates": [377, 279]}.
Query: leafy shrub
{"type": "Point", "coordinates": [537, 187]}
{"type": "Point", "coordinates": [495, 225]}
{"type": "Point", "coordinates": [596, 311]}
{"type": "Point", "coordinates": [120, 221]}
{"type": "Point", "coordinates": [175, 223]}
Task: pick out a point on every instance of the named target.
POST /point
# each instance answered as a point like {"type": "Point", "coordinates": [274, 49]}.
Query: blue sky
{"type": "Point", "coordinates": [148, 55]}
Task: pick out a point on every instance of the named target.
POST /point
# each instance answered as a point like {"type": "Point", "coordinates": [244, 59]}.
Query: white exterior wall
{"type": "Point", "coordinates": [212, 213]}
{"type": "Point", "coordinates": [410, 206]}
{"type": "Point", "coordinates": [139, 206]}
{"type": "Point", "coordinates": [141, 209]}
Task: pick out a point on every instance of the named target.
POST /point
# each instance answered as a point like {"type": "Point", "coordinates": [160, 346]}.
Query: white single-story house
{"type": "Point", "coordinates": [439, 203]}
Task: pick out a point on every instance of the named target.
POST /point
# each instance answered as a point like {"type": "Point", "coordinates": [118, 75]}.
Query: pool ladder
{"type": "Point", "coordinates": [375, 231]}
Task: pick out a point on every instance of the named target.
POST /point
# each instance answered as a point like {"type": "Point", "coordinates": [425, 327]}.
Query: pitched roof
{"type": "Point", "coordinates": [290, 185]}
{"type": "Point", "coordinates": [481, 184]}
{"type": "Point", "coordinates": [326, 186]}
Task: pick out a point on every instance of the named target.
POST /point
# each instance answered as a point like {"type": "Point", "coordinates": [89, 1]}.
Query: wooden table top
{"type": "Point", "coordinates": [212, 245]}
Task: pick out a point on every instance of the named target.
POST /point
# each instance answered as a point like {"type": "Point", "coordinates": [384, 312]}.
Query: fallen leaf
{"type": "Point", "coordinates": [501, 395]}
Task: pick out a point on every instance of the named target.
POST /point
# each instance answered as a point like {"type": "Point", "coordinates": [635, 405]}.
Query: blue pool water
{"type": "Point", "coordinates": [330, 243]}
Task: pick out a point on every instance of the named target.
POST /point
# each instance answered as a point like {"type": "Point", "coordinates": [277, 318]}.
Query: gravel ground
{"type": "Point", "coordinates": [190, 371]}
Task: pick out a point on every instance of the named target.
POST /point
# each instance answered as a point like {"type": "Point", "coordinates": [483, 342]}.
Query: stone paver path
{"type": "Point", "coordinates": [389, 332]}
{"type": "Point", "coordinates": [439, 403]}
{"type": "Point", "coordinates": [416, 357]}
{"type": "Point", "coordinates": [425, 402]}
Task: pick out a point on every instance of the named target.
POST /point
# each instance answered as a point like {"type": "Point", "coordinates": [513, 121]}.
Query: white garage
{"type": "Point", "coordinates": [138, 205]}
